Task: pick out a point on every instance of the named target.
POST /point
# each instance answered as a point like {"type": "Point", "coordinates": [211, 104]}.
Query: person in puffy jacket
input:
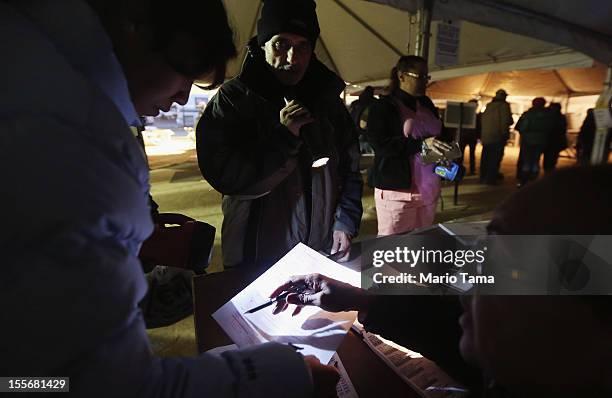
{"type": "Point", "coordinates": [78, 208]}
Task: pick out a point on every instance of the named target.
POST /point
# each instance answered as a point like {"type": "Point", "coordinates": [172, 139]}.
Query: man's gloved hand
{"type": "Point", "coordinates": [294, 115]}
{"type": "Point", "coordinates": [324, 378]}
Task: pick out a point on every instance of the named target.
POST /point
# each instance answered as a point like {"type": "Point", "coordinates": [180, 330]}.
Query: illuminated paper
{"type": "Point", "coordinates": [315, 331]}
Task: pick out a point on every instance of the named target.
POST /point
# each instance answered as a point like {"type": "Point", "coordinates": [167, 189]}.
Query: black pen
{"type": "Point", "coordinates": [295, 347]}
{"type": "Point", "coordinates": [276, 299]}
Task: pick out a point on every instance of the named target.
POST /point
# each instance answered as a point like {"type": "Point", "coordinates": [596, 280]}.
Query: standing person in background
{"type": "Point", "coordinates": [586, 137]}
{"type": "Point", "coordinates": [557, 140]}
{"type": "Point", "coordinates": [535, 126]}
{"type": "Point", "coordinates": [469, 138]}
{"type": "Point", "coordinates": [399, 124]}
{"type": "Point", "coordinates": [496, 121]}
{"type": "Point", "coordinates": [359, 113]}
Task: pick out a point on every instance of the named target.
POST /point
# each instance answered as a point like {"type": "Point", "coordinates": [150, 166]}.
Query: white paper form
{"type": "Point", "coordinates": [317, 332]}
{"type": "Point", "coordinates": [344, 388]}
{"type": "Point", "coordinates": [422, 375]}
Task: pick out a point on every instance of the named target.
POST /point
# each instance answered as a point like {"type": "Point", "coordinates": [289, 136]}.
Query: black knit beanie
{"type": "Point", "coordinates": [291, 16]}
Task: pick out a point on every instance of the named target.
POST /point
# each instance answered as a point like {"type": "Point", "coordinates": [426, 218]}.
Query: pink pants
{"type": "Point", "coordinates": [401, 216]}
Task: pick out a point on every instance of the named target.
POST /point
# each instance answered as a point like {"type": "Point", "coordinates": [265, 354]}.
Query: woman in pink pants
{"type": "Point", "coordinates": [406, 189]}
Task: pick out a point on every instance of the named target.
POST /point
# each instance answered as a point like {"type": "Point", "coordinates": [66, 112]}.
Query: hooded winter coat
{"type": "Point", "coordinates": [272, 199]}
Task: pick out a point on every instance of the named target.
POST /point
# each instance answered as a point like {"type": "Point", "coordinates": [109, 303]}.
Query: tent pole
{"type": "Point", "coordinates": [424, 20]}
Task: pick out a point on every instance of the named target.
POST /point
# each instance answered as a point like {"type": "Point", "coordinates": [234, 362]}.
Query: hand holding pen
{"type": "Point", "coordinates": [281, 297]}
{"type": "Point", "coordinates": [321, 291]}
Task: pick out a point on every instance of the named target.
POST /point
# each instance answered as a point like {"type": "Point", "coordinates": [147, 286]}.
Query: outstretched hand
{"type": "Point", "coordinates": [321, 291]}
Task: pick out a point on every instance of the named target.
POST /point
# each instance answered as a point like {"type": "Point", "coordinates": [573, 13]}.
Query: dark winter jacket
{"type": "Point", "coordinates": [392, 149]}
{"type": "Point", "coordinates": [557, 140]}
{"type": "Point", "coordinates": [272, 198]}
{"type": "Point", "coordinates": [535, 126]}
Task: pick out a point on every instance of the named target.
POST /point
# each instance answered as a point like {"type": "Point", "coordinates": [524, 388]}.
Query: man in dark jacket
{"type": "Point", "coordinates": [260, 136]}
{"type": "Point", "coordinates": [535, 127]}
{"type": "Point", "coordinates": [557, 140]}
{"type": "Point", "coordinates": [495, 122]}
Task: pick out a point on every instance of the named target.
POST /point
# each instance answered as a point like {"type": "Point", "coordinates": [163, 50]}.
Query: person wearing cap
{"type": "Point", "coordinates": [80, 73]}
{"type": "Point", "coordinates": [496, 121]}
{"type": "Point", "coordinates": [262, 136]}
{"type": "Point", "coordinates": [535, 126]}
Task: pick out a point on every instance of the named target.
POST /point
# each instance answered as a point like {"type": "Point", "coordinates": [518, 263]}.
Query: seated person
{"type": "Point", "coordinates": [519, 344]}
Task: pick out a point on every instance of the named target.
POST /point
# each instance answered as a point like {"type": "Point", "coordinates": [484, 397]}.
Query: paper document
{"type": "Point", "coordinates": [423, 375]}
{"type": "Point", "coordinates": [314, 331]}
{"type": "Point", "coordinates": [466, 232]}
{"type": "Point", "coordinates": [344, 388]}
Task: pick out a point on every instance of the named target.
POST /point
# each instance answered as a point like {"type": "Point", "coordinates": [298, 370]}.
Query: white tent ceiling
{"type": "Point", "coordinates": [562, 83]}
{"type": "Point", "coordinates": [362, 40]}
{"type": "Point", "coordinates": [359, 40]}
{"type": "Point", "coordinates": [581, 25]}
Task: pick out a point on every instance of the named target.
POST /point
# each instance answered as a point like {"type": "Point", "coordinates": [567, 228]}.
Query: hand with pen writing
{"type": "Point", "coordinates": [321, 291]}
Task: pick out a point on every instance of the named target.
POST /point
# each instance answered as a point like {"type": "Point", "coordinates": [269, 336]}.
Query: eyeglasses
{"type": "Point", "coordinates": [418, 76]}
{"type": "Point", "coordinates": [283, 46]}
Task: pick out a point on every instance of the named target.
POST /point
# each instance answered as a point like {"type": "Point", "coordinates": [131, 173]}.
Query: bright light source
{"type": "Point", "coordinates": [319, 163]}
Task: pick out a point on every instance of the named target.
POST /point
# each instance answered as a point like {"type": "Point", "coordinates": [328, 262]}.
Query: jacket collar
{"type": "Point", "coordinates": [318, 81]}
